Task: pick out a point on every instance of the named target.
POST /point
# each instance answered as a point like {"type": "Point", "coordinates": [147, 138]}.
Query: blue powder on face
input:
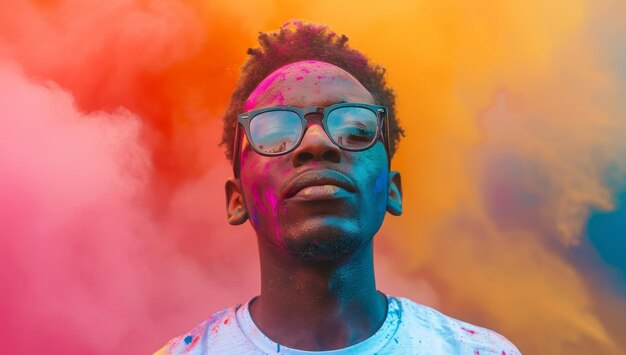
{"type": "Point", "coordinates": [188, 339]}
{"type": "Point", "coordinates": [381, 181]}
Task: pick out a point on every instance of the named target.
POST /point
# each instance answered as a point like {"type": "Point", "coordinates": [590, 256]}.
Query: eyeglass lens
{"type": "Point", "coordinates": [274, 132]}
{"type": "Point", "coordinates": [351, 128]}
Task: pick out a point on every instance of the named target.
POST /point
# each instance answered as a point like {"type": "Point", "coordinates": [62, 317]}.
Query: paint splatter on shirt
{"type": "Point", "coordinates": [409, 328]}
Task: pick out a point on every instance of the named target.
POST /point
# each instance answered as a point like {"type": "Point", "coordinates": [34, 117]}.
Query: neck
{"type": "Point", "coordinates": [318, 305]}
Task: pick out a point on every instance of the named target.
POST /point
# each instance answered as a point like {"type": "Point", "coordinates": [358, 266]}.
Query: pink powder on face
{"type": "Point", "coordinates": [263, 87]}
{"type": "Point", "coordinates": [299, 78]}
{"type": "Point", "coordinates": [269, 196]}
{"type": "Point", "coordinates": [257, 208]}
{"type": "Point", "coordinates": [273, 200]}
{"type": "Point", "coordinates": [278, 98]}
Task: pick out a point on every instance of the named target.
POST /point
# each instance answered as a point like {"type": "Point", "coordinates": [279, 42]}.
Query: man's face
{"type": "Point", "coordinates": [318, 219]}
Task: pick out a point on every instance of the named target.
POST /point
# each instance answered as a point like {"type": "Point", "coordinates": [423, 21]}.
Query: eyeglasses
{"type": "Point", "coordinates": [279, 130]}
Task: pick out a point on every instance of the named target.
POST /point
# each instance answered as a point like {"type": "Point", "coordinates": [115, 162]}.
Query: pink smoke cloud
{"type": "Point", "coordinates": [99, 268]}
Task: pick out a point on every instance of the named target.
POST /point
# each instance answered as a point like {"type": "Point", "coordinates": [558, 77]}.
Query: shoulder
{"type": "Point", "coordinates": [220, 327]}
{"type": "Point", "coordinates": [454, 334]}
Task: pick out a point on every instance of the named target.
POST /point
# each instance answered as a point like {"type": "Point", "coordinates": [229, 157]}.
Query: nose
{"type": "Point", "coordinates": [315, 147]}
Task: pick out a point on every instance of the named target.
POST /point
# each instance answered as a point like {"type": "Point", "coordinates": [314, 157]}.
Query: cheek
{"type": "Point", "coordinates": [263, 206]}
{"type": "Point", "coordinates": [375, 177]}
{"type": "Point", "coordinates": [381, 190]}
{"type": "Point", "coordinates": [252, 200]}
{"type": "Point", "coordinates": [253, 190]}
{"type": "Point", "coordinates": [261, 188]}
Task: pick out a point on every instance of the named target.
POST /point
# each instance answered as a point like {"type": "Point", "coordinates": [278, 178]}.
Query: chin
{"type": "Point", "coordinates": [325, 240]}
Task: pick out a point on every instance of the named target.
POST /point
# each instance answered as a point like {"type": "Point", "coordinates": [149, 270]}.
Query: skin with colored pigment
{"type": "Point", "coordinates": [315, 246]}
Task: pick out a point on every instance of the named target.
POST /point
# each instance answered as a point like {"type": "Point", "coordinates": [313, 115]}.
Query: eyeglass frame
{"type": "Point", "coordinates": [244, 119]}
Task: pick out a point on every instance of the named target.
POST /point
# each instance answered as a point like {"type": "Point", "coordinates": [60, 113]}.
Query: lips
{"type": "Point", "coordinates": [317, 178]}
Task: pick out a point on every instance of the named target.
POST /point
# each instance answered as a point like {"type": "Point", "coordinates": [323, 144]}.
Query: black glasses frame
{"type": "Point", "coordinates": [244, 119]}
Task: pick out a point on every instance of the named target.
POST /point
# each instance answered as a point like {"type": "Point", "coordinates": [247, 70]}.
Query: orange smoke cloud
{"type": "Point", "coordinates": [112, 221]}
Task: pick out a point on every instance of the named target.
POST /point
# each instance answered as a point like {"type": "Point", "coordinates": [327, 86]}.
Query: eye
{"type": "Point", "coordinates": [354, 129]}
{"type": "Point", "coordinates": [355, 124]}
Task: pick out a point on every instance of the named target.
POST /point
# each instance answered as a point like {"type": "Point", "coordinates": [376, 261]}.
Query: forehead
{"type": "Point", "coordinates": [307, 83]}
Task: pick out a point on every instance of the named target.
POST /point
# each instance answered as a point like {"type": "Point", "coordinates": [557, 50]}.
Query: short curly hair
{"type": "Point", "coordinates": [297, 41]}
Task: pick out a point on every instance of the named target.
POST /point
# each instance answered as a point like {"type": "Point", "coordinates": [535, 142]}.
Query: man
{"type": "Point", "coordinates": [311, 129]}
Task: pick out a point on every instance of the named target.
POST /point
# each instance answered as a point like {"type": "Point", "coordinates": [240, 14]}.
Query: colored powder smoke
{"type": "Point", "coordinates": [112, 223]}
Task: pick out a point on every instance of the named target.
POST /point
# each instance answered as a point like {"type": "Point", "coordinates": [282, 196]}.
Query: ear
{"type": "Point", "coordinates": [394, 200]}
{"type": "Point", "coordinates": [235, 206]}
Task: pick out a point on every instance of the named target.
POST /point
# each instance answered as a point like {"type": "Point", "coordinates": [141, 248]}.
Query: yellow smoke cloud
{"type": "Point", "coordinates": [512, 122]}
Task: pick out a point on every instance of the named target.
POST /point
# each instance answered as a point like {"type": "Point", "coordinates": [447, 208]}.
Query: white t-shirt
{"type": "Point", "coordinates": [409, 328]}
